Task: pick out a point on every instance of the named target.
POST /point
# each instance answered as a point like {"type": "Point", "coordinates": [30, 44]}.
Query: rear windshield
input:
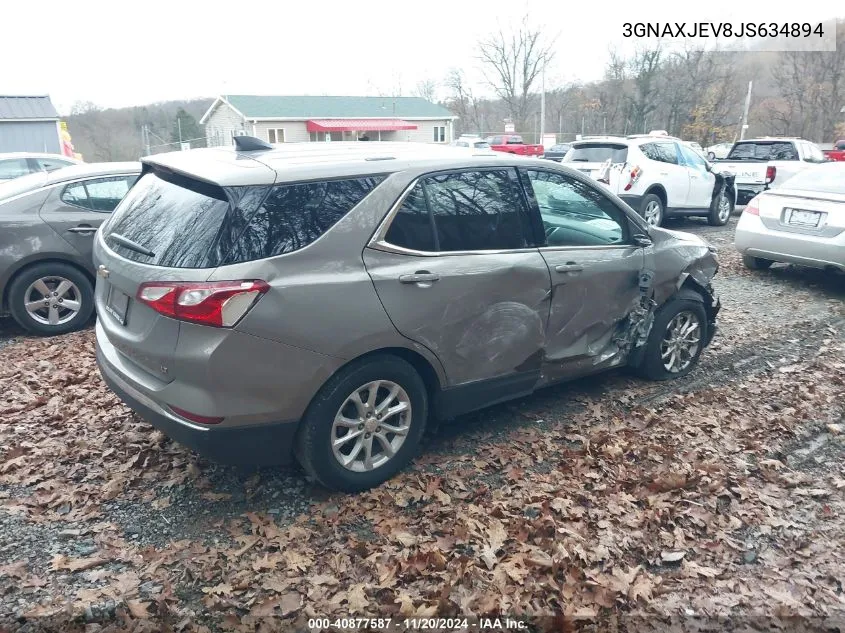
{"type": "Point", "coordinates": [597, 153]}
{"type": "Point", "coordinates": [763, 150]}
{"type": "Point", "coordinates": [185, 223]}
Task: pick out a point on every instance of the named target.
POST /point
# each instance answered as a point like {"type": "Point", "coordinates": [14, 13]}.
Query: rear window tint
{"type": "Point", "coordinates": [828, 178]}
{"type": "Point", "coordinates": [185, 223]}
{"type": "Point", "coordinates": [189, 224]}
{"type": "Point", "coordinates": [763, 151]}
{"type": "Point", "coordinates": [293, 216]}
{"type": "Point", "coordinates": [597, 153]}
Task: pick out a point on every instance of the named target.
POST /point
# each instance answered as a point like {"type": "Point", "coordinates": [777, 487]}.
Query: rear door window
{"type": "Point", "coordinates": [293, 216]}
{"type": "Point", "coordinates": [13, 168]}
{"type": "Point", "coordinates": [597, 153]}
{"type": "Point", "coordinates": [661, 152]}
{"type": "Point", "coordinates": [463, 211]}
{"type": "Point", "coordinates": [763, 150]}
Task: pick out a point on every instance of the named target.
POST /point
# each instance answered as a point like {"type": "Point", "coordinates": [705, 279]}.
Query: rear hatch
{"type": "Point", "coordinates": [169, 227]}
{"type": "Point", "coordinates": [591, 158]}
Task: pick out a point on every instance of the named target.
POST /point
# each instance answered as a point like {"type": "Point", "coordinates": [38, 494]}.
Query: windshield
{"type": "Point", "coordinates": [481, 145]}
{"type": "Point", "coordinates": [764, 150]}
{"type": "Point", "coordinates": [597, 153]}
{"type": "Point", "coordinates": [824, 179]}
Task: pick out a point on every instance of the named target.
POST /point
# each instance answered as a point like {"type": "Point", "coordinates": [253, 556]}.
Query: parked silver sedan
{"type": "Point", "coordinates": [800, 222]}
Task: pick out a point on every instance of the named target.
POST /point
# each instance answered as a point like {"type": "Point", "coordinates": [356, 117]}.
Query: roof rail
{"type": "Point", "coordinates": [250, 144]}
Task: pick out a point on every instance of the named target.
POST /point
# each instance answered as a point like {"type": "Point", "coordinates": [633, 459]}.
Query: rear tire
{"type": "Point", "coordinates": [34, 287]}
{"type": "Point", "coordinates": [652, 209]}
{"type": "Point", "coordinates": [686, 307]}
{"type": "Point", "coordinates": [756, 263]}
{"type": "Point", "coordinates": [334, 413]}
{"type": "Point", "coordinates": [721, 209]}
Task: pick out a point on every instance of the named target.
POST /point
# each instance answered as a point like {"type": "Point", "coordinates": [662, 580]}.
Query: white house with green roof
{"type": "Point", "coordinates": [291, 119]}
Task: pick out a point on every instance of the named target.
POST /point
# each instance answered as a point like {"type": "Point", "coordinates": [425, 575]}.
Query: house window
{"type": "Point", "coordinates": [439, 134]}
{"type": "Point", "coordinates": [276, 135]}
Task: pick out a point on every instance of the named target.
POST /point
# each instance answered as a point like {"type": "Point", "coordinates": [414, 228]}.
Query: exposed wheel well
{"type": "Point", "coordinates": [692, 285]}
{"type": "Point", "coordinates": [4, 304]}
{"type": "Point", "coordinates": [658, 191]}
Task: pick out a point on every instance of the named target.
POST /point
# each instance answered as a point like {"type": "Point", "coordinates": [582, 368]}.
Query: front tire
{"type": "Point", "coordinates": [652, 210]}
{"type": "Point", "coordinates": [364, 425]}
{"type": "Point", "coordinates": [676, 339]}
{"type": "Point", "coordinates": [756, 263]}
{"type": "Point", "coordinates": [51, 298]}
{"type": "Point", "coordinates": [721, 209]}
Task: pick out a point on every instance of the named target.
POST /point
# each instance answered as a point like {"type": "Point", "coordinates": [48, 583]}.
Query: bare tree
{"type": "Point", "coordinates": [512, 63]}
{"type": "Point", "coordinates": [427, 89]}
{"type": "Point", "coordinates": [644, 68]}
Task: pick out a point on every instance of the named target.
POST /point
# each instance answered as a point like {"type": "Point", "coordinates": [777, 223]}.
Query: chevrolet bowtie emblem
{"type": "Point", "coordinates": [102, 271]}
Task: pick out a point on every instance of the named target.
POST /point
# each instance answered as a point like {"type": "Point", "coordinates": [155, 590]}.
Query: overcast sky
{"type": "Point", "coordinates": [130, 53]}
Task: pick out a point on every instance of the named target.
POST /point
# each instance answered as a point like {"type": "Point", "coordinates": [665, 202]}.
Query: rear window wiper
{"type": "Point", "coordinates": [125, 241]}
{"type": "Point", "coordinates": [581, 160]}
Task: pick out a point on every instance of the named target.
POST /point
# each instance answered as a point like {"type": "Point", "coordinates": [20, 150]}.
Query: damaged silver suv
{"type": "Point", "coordinates": [322, 301]}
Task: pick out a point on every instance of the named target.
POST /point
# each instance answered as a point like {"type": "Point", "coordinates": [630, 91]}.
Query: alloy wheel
{"type": "Point", "coordinates": [653, 213]}
{"type": "Point", "coordinates": [371, 426]}
{"type": "Point", "coordinates": [681, 342]}
{"type": "Point", "coordinates": [52, 300]}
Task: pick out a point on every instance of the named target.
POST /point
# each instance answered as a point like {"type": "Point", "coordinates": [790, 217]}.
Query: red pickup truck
{"type": "Point", "coordinates": [838, 151]}
{"type": "Point", "coordinates": [513, 144]}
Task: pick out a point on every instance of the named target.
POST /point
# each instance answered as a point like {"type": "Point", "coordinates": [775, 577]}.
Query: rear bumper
{"type": "Point", "coordinates": [256, 445]}
{"type": "Point", "coordinates": [754, 239]}
{"type": "Point", "coordinates": [744, 193]}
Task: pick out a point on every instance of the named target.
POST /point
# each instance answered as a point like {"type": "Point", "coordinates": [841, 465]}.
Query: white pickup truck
{"type": "Point", "coordinates": [764, 163]}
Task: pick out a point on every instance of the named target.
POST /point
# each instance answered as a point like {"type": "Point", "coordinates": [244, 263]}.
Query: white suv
{"type": "Point", "coordinates": [657, 175]}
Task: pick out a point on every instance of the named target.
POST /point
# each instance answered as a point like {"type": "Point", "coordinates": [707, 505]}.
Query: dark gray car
{"type": "Point", "coordinates": [322, 301]}
{"type": "Point", "coordinates": [47, 226]}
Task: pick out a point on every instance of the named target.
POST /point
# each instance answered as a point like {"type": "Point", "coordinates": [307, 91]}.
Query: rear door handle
{"type": "Point", "coordinates": [422, 276]}
{"type": "Point", "coordinates": [570, 267]}
{"type": "Point", "coordinates": [82, 229]}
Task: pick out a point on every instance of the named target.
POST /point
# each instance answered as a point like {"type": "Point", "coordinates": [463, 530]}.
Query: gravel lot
{"type": "Point", "coordinates": [104, 522]}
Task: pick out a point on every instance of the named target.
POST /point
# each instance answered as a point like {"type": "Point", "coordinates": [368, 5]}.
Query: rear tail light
{"type": "Point", "coordinates": [753, 207]}
{"type": "Point", "coordinates": [214, 303]}
{"type": "Point", "coordinates": [636, 172]}
{"type": "Point", "coordinates": [193, 417]}
{"type": "Point", "coordinates": [771, 172]}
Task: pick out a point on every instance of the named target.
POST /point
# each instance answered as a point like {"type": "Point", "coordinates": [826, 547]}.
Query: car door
{"type": "Point", "coordinates": [457, 270]}
{"type": "Point", "coordinates": [671, 172]}
{"type": "Point", "coordinates": [77, 209]}
{"type": "Point", "coordinates": [701, 180]}
{"type": "Point", "coordinates": [594, 266]}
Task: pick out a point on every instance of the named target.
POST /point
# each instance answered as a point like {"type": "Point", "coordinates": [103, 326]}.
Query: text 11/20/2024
{"type": "Point", "coordinates": [488, 625]}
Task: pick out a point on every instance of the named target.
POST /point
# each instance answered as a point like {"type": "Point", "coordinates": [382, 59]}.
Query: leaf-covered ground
{"type": "Point", "coordinates": [612, 501]}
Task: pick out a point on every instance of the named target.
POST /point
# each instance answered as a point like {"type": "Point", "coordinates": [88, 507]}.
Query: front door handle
{"type": "Point", "coordinates": [84, 229]}
{"type": "Point", "coordinates": [569, 267]}
{"type": "Point", "coordinates": [422, 276]}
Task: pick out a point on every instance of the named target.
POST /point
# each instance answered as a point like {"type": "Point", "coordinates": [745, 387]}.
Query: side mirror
{"type": "Point", "coordinates": [641, 239]}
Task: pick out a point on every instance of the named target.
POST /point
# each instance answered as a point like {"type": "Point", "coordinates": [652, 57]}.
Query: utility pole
{"type": "Point", "coordinates": [145, 136]}
{"type": "Point", "coordinates": [745, 112]}
{"type": "Point", "coordinates": [542, 102]}
{"type": "Point", "coordinates": [179, 125]}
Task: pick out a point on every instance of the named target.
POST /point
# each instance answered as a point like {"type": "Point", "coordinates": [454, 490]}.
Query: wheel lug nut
{"type": "Point", "coordinates": [360, 427]}
{"type": "Point", "coordinates": [367, 435]}
{"type": "Point", "coordinates": [378, 429]}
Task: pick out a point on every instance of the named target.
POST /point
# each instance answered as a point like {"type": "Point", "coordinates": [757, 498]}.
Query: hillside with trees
{"type": "Point", "coordinates": [116, 134]}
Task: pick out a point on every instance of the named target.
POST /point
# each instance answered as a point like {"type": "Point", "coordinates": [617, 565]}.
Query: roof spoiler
{"type": "Point", "coordinates": [250, 144]}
